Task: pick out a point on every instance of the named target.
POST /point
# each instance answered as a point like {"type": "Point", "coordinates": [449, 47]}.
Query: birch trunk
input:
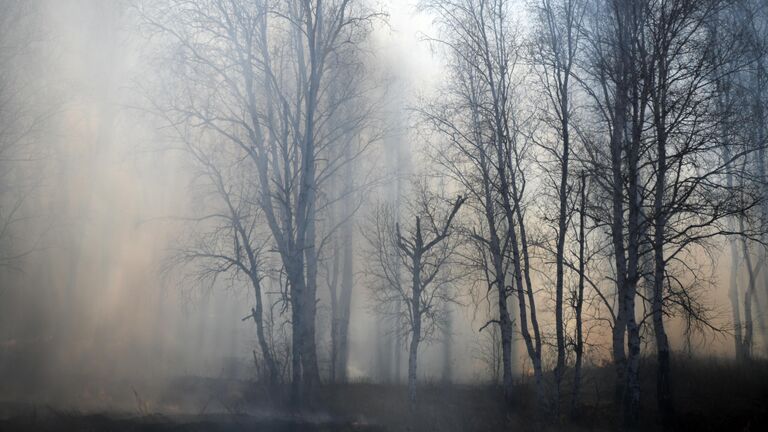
{"type": "Point", "coordinates": [663, 375]}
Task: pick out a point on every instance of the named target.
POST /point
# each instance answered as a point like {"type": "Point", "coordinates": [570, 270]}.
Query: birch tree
{"type": "Point", "coordinates": [556, 41]}
{"type": "Point", "coordinates": [618, 92]}
{"type": "Point", "coordinates": [651, 79]}
{"type": "Point", "coordinates": [480, 40]}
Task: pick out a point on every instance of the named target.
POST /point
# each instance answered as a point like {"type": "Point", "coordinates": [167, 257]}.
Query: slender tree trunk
{"type": "Point", "coordinates": [342, 268]}
{"type": "Point", "coordinates": [416, 317]}
{"type": "Point", "coordinates": [523, 273]}
{"type": "Point", "coordinates": [497, 258]}
{"type": "Point", "coordinates": [447, 344]}
{"type": "Point", "coordinates": [296, 283]}
{"type": "Point", "coordinates": [748, 341]}
{"type": "Point", "coordinates": [634, 234]}
{"type": "Point", "coordinates": [733, 284]}
{"type": "Point", "coordinates": [632, 399]}
{"type": "Point", "coordinates": [618, 125]}
{"type": "Point", "coordinates": [563, 76]}
{"type": "Point", "coordinates": [505, 323]}
{"type": "Point", "coordinates": [310, 370]}
{"type": "Point", "coordinates": [733, 294]}
{"type": "Point", "coordinates": [532, 343]}
{"type": "Point", "coordinates": [258, 313]}
{"type": "Point", "coordinates": [497, 80]}
{"type": "Point", "coordinates": [345, 302]}
{"type": "Point", "coordinates": [397, 349]}
{"type": "Point", "coordinates": [663, 374]}
{"type": "Point", "coordinates": [306, 200]}
{"type": "Point", "coordinates": [560, 252]}
{"type": "Point", "coordinates": [725, 143]}
{"type": "Point", "coordinates": [505, 170]}
{"type": "Point", "coordinates": [333, 289]}
{"type": "Point", "coordinates": [412, 363]}
{"type": "Point", "coordinates": [760, 133]}
{"type": "Point", "coordinates": [579, 348]}
{"type": "Point", "coordinates": [538, 370]}
{"type": "Point", "coordinates": [617, 234]}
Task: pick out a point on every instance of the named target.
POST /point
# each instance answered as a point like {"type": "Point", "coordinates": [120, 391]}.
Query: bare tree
{"type": "Point", "coordinates": [619, 94]}
{"type": "Point", "coordinates": [485, 128]}
{"type": "Point", "coordinates": [227, 238]}
{"type": "Point", "coordinates": [261, 75]}
{"type": "Point", "coordinates": [678, 82]}
{"type": "Point", "coordinates": [423, 248]}
{"type": "Point", "coordinates": [554, 52]}
{"type": "Point", "coordinates": [748, 89]}
{"type": "Point", "coordinates": [651, 79]}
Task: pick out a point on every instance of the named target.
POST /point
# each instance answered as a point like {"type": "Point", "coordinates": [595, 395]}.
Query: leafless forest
{"type": "Point", "coordinates": [389, 215]}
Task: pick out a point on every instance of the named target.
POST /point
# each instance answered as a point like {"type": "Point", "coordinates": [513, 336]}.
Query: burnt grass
{"type": "Point", "coordinates": [710, 395]}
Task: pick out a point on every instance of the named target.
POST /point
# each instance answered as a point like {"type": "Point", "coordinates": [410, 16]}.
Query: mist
{"type": "Point", "coordinates": [359, 214]}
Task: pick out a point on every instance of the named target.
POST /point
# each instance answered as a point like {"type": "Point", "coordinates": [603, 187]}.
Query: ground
{"type": "Point", "coordinates": [710, 395]}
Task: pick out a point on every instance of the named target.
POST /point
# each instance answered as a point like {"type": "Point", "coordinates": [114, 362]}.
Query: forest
{"type": "Point", "coordinates": [383, 215]}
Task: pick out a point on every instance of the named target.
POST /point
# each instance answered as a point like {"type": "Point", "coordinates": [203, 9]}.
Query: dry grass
{"type": "Point", "coordinates": [710, 395]}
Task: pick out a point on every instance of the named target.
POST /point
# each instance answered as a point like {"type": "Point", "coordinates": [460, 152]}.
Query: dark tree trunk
{"type": "Point", "coordinates": [562, 221]}
{"type": "Point", "coordinates": [415, 306]}
{"type": "Point", "coordinates": [258, 317]}
{"type": "Point", "coordinates": [579, 304]}
{"type": "Point", "coordinates": [297, 292]}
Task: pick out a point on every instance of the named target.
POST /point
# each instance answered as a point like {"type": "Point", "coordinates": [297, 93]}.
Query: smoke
{"type": "Point", "coordinates": [88, 311]}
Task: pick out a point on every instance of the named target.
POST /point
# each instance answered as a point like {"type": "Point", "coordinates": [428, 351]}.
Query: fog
{"type": "Point", "coordinates": [105, 206]}
{"type": "Point", "coordinates": [92, 300]}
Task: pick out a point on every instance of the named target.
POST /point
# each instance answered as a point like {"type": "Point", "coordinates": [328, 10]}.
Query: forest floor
{"type": "Point", "coordinates": [710, 395]}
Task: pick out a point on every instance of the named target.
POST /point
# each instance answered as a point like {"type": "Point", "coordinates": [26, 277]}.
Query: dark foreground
{"type": "Point", "coordinates": [709, 396]}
